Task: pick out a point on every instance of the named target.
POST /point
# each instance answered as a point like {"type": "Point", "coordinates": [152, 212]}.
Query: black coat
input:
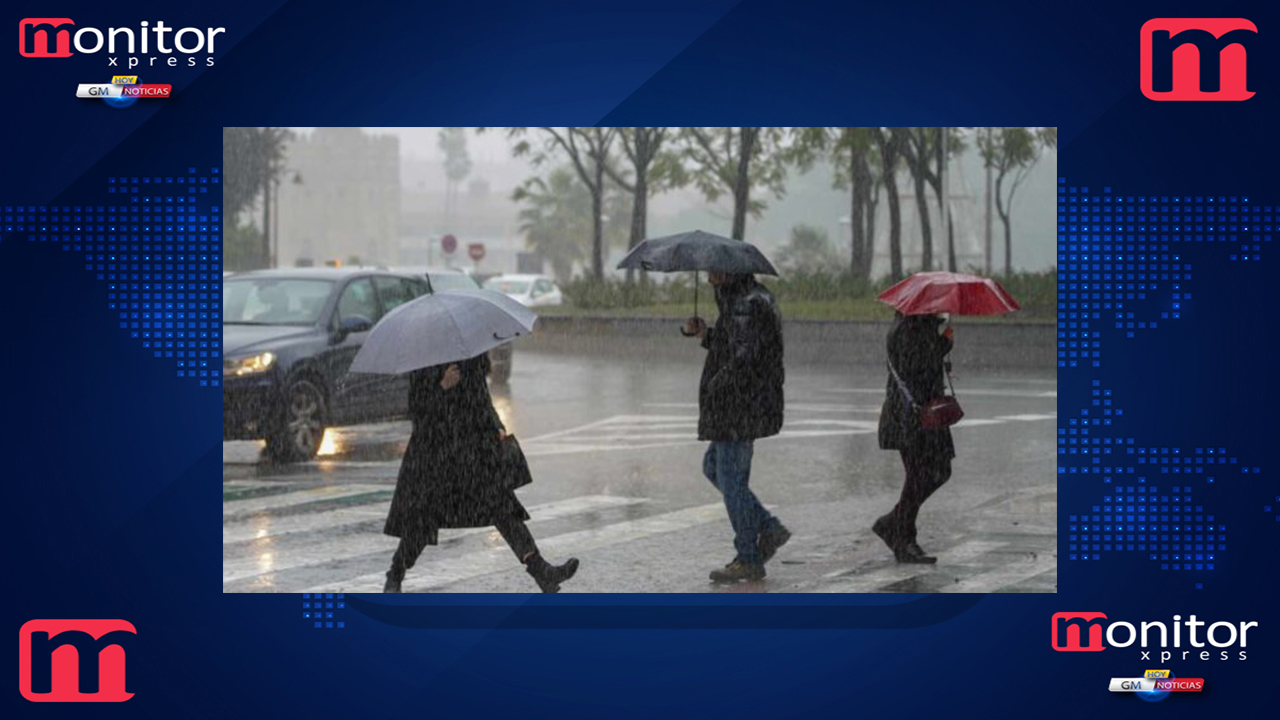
{"type": "Point", "coordinates": [449, 475]}
{"type": "Point", "coordinates": [740, 396]}
{"type": "Point", "coordinates": [918, 352]}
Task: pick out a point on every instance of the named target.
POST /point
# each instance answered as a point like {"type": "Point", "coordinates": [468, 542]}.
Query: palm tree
{"type": "Point", "coordinates": [557, 220]}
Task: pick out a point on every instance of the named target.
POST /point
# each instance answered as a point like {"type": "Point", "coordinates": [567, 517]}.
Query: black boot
{"type": "Point", "coordinates": [770, 540]}
{"type": "Point", "coordinates": [393, 581]}
{"type": "Point", "coordinates": [883, 528]}
{"type": "Point", "coordinates": [549, 576]}
{"type": "Point", "coordinates": [912, 554]}
{"type": "Point", "coordinates": [917, 553]}
{"type": "Point", "coordinates": [738, 571]}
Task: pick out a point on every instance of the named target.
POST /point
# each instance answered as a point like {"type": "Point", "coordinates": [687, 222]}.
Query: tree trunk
{"type": "Point", "coordinates": [951, 243]}
{"type": "Point", "coordinates": [1008, 245]}
{"type": "Point", "coordinates": [639, 211]}
{"type": "Point", "coordinates": [859, 175]}
{"type": "Point", "coordinates": [597, 232]}
{"type": "Point", "coordinates": [1003, 212]}
{"type": "Point", "coordinates": [742, 184]}
{"type": "Point", "coordinates": [926, 230]}
{"type": "Point", "coordinates": [872, 200]}
{"type": "Point", "coordinates": [266, 217]}
{"type": "Point", "coordinates": [895, 220]}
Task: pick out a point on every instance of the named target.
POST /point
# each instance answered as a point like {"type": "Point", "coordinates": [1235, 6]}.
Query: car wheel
{"type": "Point", "coordinates": [298, 433]}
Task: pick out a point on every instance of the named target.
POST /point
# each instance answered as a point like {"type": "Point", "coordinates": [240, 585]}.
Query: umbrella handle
{"type": "Point", "coordinates": [695, 305]}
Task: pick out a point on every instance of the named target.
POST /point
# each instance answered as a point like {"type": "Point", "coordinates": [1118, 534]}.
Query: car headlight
{"type": "Point", "coordinates": [251, 365]}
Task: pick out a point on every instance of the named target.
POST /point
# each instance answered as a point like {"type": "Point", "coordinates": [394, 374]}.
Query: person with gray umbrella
{"type": "Point", "coordinates": [460, 468]}
{"type": "Point", "coordinates": [740, 396]}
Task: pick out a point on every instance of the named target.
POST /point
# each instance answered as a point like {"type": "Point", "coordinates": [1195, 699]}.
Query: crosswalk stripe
{"type": "Point", "coordinates": [431, 573]}
{"type": "Point", "coordinates": [976, 422]}
{"type": "Point", "coordinates": [1027, 417]}
{"type": "Point", "coordinates": [265, 526]}
{"type": "Point", "coordinates": [1008, 574]}
{"type": "Point", "coordinates": [270, 502]}
{"type": "Point", "coordinates": [261, 559]}
{"type": "Point", "coordinates": [994, 392]}
{"type": "Point", "coordinates": [877, 579]}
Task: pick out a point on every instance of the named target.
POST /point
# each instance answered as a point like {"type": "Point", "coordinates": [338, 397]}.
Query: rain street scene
{"type": "Point", "coordinates": [685, 359]}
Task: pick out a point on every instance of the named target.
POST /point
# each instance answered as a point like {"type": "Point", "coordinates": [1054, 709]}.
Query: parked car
{"type": "Point", "coordinates": [454, 279]}
{"type": "Point", "coordinates": [528, 290]}
{"type": "Point", "coordinates": [288, 339]}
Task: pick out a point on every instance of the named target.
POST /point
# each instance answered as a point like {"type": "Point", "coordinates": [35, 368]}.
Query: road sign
{"type": "Point", "coordinates": [449, 244]}
{"type": "Point", "coordinates": [476, 251]}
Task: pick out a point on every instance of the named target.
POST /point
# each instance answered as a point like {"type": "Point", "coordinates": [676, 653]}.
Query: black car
{"type": "Point", "coordinates": [288, 338]}
{"type": "Point", "coordinates": [454, 279]}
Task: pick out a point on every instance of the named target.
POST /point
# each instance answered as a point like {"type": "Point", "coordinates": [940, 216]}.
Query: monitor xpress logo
{"type": "Point", "coordinates": [74, 660]}
{"type": "Point", "coordinates": [1076, 632]}
{"type": "Point", "coordinates": [142, 46]}
{"type": "Point", "coordinates": [1084, 632]}
{"type": "Point", "coordinates": [1197, 59]}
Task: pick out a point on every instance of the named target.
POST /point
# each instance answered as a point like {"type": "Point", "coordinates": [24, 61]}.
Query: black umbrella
{"type": "Point", "coordinates": [697, 251]}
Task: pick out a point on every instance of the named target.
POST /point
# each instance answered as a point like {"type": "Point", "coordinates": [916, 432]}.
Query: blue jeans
{"type": "Point", "coordinates": [727, 465]}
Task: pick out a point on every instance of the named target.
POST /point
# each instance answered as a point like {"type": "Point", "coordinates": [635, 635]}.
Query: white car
{"type": "Point", "coordinates": [528, 290]}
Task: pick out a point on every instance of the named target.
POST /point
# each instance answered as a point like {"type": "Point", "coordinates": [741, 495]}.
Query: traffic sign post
{"type": "Point", "coordinates": [476, 252]}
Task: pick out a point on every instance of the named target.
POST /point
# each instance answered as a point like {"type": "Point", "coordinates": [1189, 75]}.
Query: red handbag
{"type": "Point", "coordinates": [940, 412]}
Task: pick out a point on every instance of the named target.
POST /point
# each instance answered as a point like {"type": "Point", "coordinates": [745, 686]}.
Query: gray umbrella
{"type": "Point", "coordinates": [697, 250]}
{"type": "Point", "coordinates": [443, 327]}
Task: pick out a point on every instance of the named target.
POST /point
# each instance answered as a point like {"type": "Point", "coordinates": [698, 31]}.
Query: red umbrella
{"type": "Point", "coordinates": [929, 293]}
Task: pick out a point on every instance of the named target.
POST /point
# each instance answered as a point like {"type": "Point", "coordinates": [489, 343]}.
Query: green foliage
{"type": "Point", "coordinates": [651, 150]}
{"type": "Point", "coordinates": [556, 219]}
{"type": "Point", "coordinates": [819, 294]}
{"type": "Point", "coordinates": [251, 156]}
{"type": "Point", "coordinates": [809, 250]}
{"type": "Point", "coordinates": [241, 248]}
{"type": "Point", "coordinates": [1036, 292]}
{"type": "Point", "coordinates": [713, 156]}
{"type": "Point", "coordinates": [452, 141]}
{"type": "Point", "coordinates": [1011, 148]}
{"type": "Point", "coordinates": [591, 293]}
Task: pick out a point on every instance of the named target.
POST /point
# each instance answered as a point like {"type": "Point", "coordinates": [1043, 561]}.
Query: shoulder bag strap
{"type": "Point", "coordinates": [946, 370]}
{"type": "Point", "coordinates": [901, 385]}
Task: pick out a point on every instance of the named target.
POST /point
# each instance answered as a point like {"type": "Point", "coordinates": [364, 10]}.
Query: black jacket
{"type": "Point", "coordinates": [740, 396]}
{"type": "Point", "coordinates": [917, 352]}
{"type": "Point", "coordinates": [449, 477]}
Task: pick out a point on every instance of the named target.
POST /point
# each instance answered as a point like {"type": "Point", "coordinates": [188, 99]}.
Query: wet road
{"type": "Point", "coordinates": [618, 483]}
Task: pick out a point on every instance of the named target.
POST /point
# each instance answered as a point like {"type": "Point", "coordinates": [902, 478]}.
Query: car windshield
{"type": "Point", "coordinates": [273, 301]}
{"type": "Point", "coordinates": [510, 287]}
{"type": "Point", "coordinates": [452, 281]}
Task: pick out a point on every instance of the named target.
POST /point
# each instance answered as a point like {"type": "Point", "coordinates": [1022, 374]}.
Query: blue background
{"type": "Point", "coordinates": [112, 463]}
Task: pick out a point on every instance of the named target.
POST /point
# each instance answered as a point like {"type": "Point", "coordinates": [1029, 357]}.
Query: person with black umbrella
{"type": "Point", "coordinates": [740, 395]}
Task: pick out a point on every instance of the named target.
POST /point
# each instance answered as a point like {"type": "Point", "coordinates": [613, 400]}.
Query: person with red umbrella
{"type": "Point", "coordinates": [917, 413]}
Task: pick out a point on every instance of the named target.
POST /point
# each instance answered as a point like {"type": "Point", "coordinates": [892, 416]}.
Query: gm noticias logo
{"type": "Point", "coordinates": [74, 660]}
{"type": "Point", "coordinates": [1197, 59]}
